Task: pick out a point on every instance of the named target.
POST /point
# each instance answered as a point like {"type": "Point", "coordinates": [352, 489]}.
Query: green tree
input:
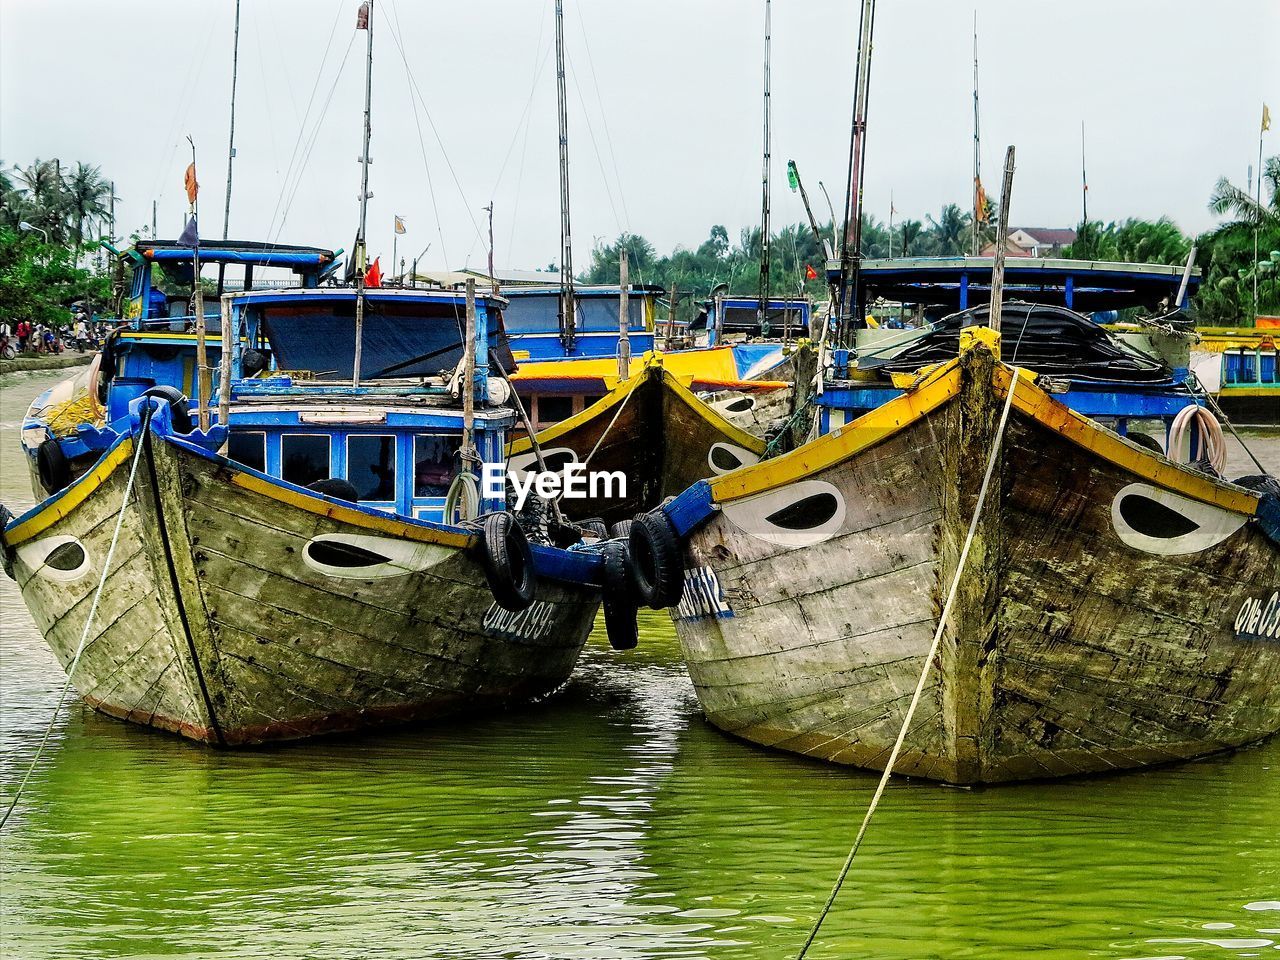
{"type": "Point", "coordinates": [39, 281]}
{"type": "Point", "coordinates": [88, 195]}
{"type": "Point", "coordinates": [951, 231]}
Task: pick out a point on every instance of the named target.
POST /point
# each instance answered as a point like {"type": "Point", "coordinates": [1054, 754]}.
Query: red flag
{"type": "Point", "coordinates": [810, 273]}
{"type": "Point", "coordinates": [189, 181]}
{"type": "Point", "coordinates": [373, 277]}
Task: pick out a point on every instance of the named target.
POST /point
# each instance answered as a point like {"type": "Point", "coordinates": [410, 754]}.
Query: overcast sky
{"type": "Point", "coordinates": [665, 115]}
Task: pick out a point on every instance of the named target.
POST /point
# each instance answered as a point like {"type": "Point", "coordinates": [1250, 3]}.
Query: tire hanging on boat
{"type": "Point", "coordinates": [508, 562]}
{"type": "Point", "coordinates": [179, 415]}
{"type": "Point", "coordinates": [620, 606]}
{"type": "Point", "coordinates": [594, 528]}
{"type": "Point", "coordinates": [52, 466]}
{"type": "Point", "coordinates": [657, 565]}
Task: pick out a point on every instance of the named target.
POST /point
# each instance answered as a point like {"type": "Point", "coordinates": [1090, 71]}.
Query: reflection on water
{"type": "Point", "coordinates": [609, 822]}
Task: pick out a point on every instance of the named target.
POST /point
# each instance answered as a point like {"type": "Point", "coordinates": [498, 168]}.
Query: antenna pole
{"type": "Point", "coordinates": [204, 383]}
{"type": "Point", "coordinates": [364, 21]}
{"type": "Point", "coordinates": [977, 150]}
{"type": "Point", "coordinates": [493, 277]}
{"type": "Point", "coordinates": [1084, 183]}
{"type": "Point", "coordinates": [851, 251]}
{"type": "Point", "coordinates": [231, 137]}
{"type": "Point", "coordinates": [568, 302]}
{"type": "Point", "coordinates": [763, 308]}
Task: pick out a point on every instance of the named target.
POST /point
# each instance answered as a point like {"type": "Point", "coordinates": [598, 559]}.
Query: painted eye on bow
{"type": "Point", "coordinates": [1161, 522]}
{"type": "Point", "coordinates": [334, 554]}
{"type": "Point", "coordinates": [798, 515]}
{"type": "Point", "coordinates": [725, 457]}
{"type": "Point", "coordinates": [363, 557]}
{"type": "Point", "coordinates": [56, 558]}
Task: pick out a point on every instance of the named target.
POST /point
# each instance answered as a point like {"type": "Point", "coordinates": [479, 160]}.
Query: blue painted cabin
{"type": "Point", "coordinates": [531, 320]}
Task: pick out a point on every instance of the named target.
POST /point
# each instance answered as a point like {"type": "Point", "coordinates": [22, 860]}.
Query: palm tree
{"type": "Point", "coordinates": [952, 230]}
{"type": "Point", "coordinates": [909, 231]}
{"type": "Point", "coordinates": [87, 197]}
{"type": "Point", "coordinates": [44, 198]}
{"type": "Point", "coordinates": [1227, 198]}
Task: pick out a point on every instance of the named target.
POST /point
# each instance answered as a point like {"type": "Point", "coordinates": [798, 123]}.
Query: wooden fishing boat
{"type": "Point", "coordinates": [652, 431]}
{"type": "Point", "coordinates": [314, 577]}
{"type": "Point", "coordinates": [1118, 609]}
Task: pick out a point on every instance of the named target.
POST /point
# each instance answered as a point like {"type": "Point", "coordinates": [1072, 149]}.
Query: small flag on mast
{"type": "Point", "coordinates": [981, 205]}
{"type": "Point", "coordinates": [362, 16]}
{"type": "Point", "coordinates": [373, 277]}
{"type": "Point", "coordinates": [1266, 118]}
{"type": "Point", "coordinates": [810, 273]}
{"type": "Point", "coordinates": [793, 175]}
{"type": "Point", "coordinates": [189, 181]}
{"type": "Point", "coordinates": [400, 225]}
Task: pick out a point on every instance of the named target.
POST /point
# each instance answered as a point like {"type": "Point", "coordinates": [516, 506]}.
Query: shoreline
{"type": "Point", "coordinates": [57, 362]}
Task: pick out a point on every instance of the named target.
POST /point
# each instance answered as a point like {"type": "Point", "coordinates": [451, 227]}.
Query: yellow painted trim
{"type": "Point", "coordinates": [618, 394]}
{"type": "Point", "coordinates": [1245, 390]}
{"type": "Point", "coordinates": [557, 430]}
{"type": "Point", "coordinates": [210, 338]}
{"type": "Point", "coordinates": [323, 508]}
{"type": "Point", "coordinates": [74, 495]}
{"type": "Point", "coordinates": [941, 386]}
{"type": "Point", "coordinates": [854, 437]}
{"type": "Point", "coordinates": [1080, 430]}
{"type": "Point", "coordinates": [680, 387]}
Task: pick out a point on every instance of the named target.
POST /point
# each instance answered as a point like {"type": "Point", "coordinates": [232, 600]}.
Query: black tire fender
{"type": "Point", "coordinates": [507, 561]}
{"type": "Point", "coordinates": [657, 564]}
{"type": "Point", "coordinates": [619, 597]}
{"type": "Point", "coordinates": [6, 552]}
{"type": "Point", "coordinates": [178, 412]}
{"type": "Point", "coordinates": [53, 466]}
{"type": "Point", "coordinates": [621, 530]}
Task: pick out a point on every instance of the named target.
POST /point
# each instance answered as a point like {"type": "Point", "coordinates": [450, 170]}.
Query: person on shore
{"type": "Point", "coordinates": [24, 335]}
{"type": "Point", "coordinates": [81, 331]}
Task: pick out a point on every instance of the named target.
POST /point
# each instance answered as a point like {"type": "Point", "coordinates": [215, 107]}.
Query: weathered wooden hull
{"type": "Point", "coordinates": [227, 619]}
{"type": "Point", "coordinates": [654, 432]}
{"type": "Point", "coordinates": [1092, 630]}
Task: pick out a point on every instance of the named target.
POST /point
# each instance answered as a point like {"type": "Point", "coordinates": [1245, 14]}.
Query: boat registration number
{"type": "Point", "coordinates": [1259, 618]}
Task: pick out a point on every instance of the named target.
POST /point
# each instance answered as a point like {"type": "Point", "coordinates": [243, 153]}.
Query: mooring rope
{"type": "Point", "coordinates": [93, 612]}
{"type": "Point", "coordinates": [924, 673]}
{"type": "Point", "coordinates": [616, 415]}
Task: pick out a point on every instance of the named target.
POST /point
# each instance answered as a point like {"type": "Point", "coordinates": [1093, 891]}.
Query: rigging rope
{"type": "Point", "coordinates": [924, 673]}
{"type": "Point", "coordinates": [93, 612]}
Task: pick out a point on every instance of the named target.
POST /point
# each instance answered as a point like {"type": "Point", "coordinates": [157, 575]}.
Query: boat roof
{"type": "Point", "coordinates": [583, 291]}
{"type": "Point", "coordinates": [388, 294]}
{"type": "Point", "coordinates": [962, 282]}
{"type": "Point", "coordinates": [252, 252]}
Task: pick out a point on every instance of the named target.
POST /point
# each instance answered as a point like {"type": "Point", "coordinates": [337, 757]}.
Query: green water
{"type": "Point", "coordinates": [610, 822]}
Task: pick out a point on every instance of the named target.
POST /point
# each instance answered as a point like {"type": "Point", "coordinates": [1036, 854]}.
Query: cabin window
{"type": "Point", "coordinates": [371, 467]}
{"type": "Point", "coordinates": [1267, 368]}
{"type": "Point", "coordinates": [304, 458]}
{"type": "Point", "coordinates": [590, 399]}
{"type": "Point", "coordinates": [433, 464]}
{"type": "Point", "coordinates": [554, 409]}
{"type": "Point", "coordinates": [249, 449]}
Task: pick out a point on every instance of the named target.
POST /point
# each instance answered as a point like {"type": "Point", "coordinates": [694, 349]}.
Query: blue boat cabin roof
{"type": "Point", "coordinates": [963, 282]}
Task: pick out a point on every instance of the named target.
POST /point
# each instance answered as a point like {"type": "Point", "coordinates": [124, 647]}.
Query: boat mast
{"type": "Point", "coordinates": [851, 249]}
{"type": "Point", "coordinates": [364, 21]}
{"type": "Point", "coordinates": [997, 266]}
{"type": "Point", "coordinates": [568, 308]}
{"type": "Point", "coordinates": [763, 307]}
{"type": "Point", "coordinates": [231, 137]}
{"type": "Point", "coordinates": [978, 198]}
